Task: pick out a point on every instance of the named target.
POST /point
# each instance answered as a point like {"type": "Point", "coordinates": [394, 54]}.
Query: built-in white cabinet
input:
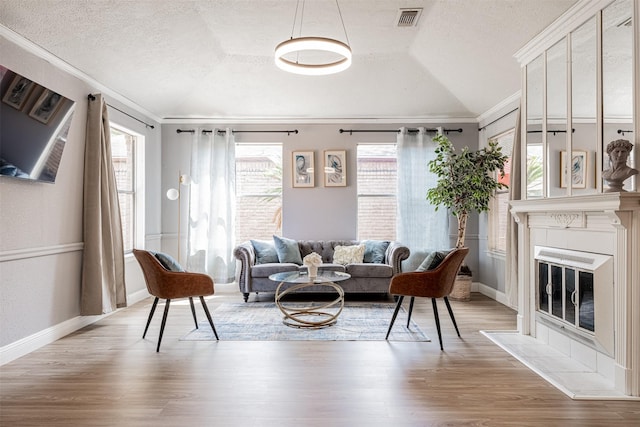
{"type": "Point", "coordinates": [578, 95]}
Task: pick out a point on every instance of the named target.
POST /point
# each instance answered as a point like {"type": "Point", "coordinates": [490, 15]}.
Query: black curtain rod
{"type": "Point", "coordinates": [220, 131]}
{"type": "Point", "coordinates": [93, 98]}
{"type": "Point", "coordinates": [288, 132]}
{"type": "Point", "coordinates": [499, 118]}
{"type": "Point", "coordinates": [551, 131]}
{"type": "Point", "coordinates": [409, 130]}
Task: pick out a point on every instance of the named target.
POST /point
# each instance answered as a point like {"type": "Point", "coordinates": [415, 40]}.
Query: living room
{"type": "Point", "coordinates": [41, 224]}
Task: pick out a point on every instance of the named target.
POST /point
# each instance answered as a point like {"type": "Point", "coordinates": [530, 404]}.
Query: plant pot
{"type": "Point", "coordinates": [461, 288]}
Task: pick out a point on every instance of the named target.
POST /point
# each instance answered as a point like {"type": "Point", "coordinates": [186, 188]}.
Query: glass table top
{"type": "Point", "coordinates": [303, 276]}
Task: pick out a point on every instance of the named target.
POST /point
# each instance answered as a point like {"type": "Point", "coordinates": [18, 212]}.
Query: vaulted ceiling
{"type": "Point", "coordinates": [214, 59]}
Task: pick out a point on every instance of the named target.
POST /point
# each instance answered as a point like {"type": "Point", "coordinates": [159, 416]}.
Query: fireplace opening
{"type": "Point", "coordinates": [575, 295]}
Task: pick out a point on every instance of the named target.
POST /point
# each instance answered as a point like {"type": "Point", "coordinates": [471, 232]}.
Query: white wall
{"type": "Point", "coordinates": [41, 238]}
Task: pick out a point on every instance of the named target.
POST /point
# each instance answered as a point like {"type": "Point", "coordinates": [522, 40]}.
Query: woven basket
{"type": "Point", "coordinates": [461, 289]}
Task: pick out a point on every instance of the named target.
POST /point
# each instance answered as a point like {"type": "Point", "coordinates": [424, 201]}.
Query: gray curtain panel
{"type": "Point", "coordinates": [103, 285]}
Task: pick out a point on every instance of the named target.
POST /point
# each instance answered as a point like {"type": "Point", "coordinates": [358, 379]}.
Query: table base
{"type": "Point", "coordinates": [297, 317]}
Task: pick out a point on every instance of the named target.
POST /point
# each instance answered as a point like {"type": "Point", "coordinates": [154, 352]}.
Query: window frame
{"type": "Point", "coordinates": [385, 195]}
{"type": "Point", "coordinates": [137, 188]}
{"type": "Point", "coordinates": [495, 215]}
{"type": "Point", "coordinates": [260, 196]}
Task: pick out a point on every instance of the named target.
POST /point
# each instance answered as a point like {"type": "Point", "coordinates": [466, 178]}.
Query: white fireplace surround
{"type": "Point", "coordinates": [607, 224]}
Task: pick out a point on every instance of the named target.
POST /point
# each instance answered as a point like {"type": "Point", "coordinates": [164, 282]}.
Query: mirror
{"type": "Point", "coordinates": [557, 170]}
{"type": "Point", "coordinates": [617, 77]}
{"type": "Point", "coordinates": [535, 160]}
{"type": "Point", "coordinates": [583, 107]}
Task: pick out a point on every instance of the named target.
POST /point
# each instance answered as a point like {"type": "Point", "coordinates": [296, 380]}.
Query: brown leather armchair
{"type": "Point", "coordinates": [166, 284]}
{"type": "Point", "coordinates": [435, 283]}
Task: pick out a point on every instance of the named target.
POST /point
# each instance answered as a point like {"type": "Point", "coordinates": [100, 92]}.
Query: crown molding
{"type": "Point", "coordinates": [319, 120]}
{"type": "Point", "coordinates": [508, 103]}
{"type": "Point", "coordinates": [575, 16]}
{"type": "Point", "coordinates": [57, 62]}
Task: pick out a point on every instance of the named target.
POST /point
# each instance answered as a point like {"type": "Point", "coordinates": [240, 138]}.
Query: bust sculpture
{"type": "Point", "coordinates": [618, 171]}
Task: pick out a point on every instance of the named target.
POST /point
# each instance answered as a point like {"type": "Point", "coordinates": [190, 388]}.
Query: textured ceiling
{"type": "Point", "coordinates": [214, 59]}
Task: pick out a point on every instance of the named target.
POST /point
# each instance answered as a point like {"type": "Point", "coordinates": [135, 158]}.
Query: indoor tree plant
{"type": "Point", "coordinates": [466, 182]}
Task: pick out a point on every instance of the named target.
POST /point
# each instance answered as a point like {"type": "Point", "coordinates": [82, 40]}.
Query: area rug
{"type": "Point", "coordinates": [262, 321]}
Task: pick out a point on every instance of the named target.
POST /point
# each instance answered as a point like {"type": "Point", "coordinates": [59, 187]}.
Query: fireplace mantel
{"type": "Point", "coordinates": [607, 223]}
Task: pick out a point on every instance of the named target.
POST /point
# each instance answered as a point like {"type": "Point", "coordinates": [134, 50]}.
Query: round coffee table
{"type": "Point", "coordinates": [298, 317]}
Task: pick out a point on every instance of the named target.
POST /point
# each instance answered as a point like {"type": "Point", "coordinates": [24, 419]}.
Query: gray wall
{"type": "Point", "coordinates": [317, 213]}
{"type": "Point", "coordinates": [41, 224]}
{"type": "Point", "coordinates": [491, 271]}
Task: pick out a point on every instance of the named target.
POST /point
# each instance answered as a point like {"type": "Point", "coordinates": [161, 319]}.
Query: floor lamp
{"type": "Point", "coordinates": [174, 194]}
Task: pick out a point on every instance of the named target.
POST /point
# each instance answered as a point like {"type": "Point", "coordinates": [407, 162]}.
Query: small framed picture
{"type": "Point", "coordinates": [335, 168]}
{"type": "Point", "coordinates": [46, 106]}
{"type": "Point", "coordinates": [18, 92]}
{"type": "Point", "coordinates": [303, 169]}
{"type": "Point", "coordinates": [578, 169]}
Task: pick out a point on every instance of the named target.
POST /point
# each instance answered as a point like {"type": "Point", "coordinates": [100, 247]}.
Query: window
{"type": "Point", "coordinates": [258, 191]}
{"type": "Point", "coordinates": [124, 145]}
{"type": "Point", "coordinates": [499, 206]}
{"type": "Point", "coordinates": [377, 178]}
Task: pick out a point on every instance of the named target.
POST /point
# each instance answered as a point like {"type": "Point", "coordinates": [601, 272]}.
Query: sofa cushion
{"type": "Point", "coordinates": [265, 251]}
{"type": "Point", "coordinates": [287, 250]}
{"type": "Point", "coordinates": [370, 270]}
{"type": "Point", "coordinates": [433, 260]}
{"type": "Point", "coordinates": [374, 250]}
{"type": "Point", "coordinates": [168, 261]}
{"type": "Point", "coordinates": [266, 270]}
{"type": "Point", "coordinates": [348, 254]}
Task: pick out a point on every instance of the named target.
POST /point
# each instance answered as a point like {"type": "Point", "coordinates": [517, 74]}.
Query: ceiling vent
{"type": "Point", "coordinates": [409, 17]}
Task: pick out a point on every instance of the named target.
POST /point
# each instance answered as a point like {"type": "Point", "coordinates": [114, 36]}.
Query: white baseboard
{"type": "Point", "coordinates": [492, 293]}
{"type": "Point", "coordinates": [33, 342]}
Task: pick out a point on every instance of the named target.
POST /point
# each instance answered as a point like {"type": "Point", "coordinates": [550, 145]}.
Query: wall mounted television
{"type": "Point", "coordinates": [34, 124]}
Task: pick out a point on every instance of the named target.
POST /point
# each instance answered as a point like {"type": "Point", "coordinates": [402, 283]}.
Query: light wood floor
{"type": "Point", "coordinates": [106, 375]}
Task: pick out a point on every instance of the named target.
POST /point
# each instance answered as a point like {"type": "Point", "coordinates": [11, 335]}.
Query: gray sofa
{"type": "Point", "coordinates": [366, 277]}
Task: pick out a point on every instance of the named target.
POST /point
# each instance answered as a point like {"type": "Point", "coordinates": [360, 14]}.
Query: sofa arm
{"type": "Point", "coordinates": [396, 253]}
{"type": "Point", "coordinates": [246, 259]}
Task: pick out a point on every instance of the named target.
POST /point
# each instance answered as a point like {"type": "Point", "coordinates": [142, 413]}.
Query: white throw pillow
{"type": "Point", "coordinates": [348, 254]}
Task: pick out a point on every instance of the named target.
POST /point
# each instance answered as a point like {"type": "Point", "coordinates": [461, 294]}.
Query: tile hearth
{"type": "Point", "coordinates": [573, 378]}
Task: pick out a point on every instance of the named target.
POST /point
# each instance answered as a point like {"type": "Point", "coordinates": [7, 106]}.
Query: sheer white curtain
{"type": "Point", "coordinates": [210, 238]}
{"type": "Point", "coordinates": [515, 193]}
{"type": "Point", "coordinates": [419, 226]}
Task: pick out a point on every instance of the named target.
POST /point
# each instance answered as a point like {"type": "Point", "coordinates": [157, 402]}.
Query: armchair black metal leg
{"type": "Point", "coordinates": [193, 311]}
{"type": "Point", "coordinates": [153, 310]}
{"type": "Point", "coordinates": [206, 311]}
{"type": "Point", "coordinates": [435, 314]}
{"type": "Point", "coordinates": [410, 310]}
{"type": "Point", "coordinates": [395, 314]}
{"type": "Point", "coordinates": [446, 301]}
{"type": "Point", "coordinates": [164, 321]}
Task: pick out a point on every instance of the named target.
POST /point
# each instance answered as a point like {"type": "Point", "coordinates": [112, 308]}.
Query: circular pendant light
{"type": "Point", "coordinates": [297, 45]}
{"type": "Point", "coordinates": [322, 44]}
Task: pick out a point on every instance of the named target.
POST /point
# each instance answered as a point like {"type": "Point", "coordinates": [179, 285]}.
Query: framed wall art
{"type": "Point", "coordinates": [578, 169]}
{"type": "Point", "coordinates": [46, 106]}
{"type": "Point", "coordinates": [18, 92]}
{"type": "Point", "coordinates": [303, 169]}
{"type": "Point", "coordinates": [335, 168]}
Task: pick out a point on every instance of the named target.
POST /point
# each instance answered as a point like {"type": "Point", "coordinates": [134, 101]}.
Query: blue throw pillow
{"type": "Point", "coordinates": [168, 261]}
{"type": "Point", "coordinates": [287, 250]}
{"type": "Point", "coordinates": [374, 250]}
{"type": "Point", "coordinates": [433, 260]}
{"type": "Point", "coordinates": [265, 251]}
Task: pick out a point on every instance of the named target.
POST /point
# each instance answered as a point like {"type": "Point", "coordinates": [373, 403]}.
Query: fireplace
{"type": "Point", "coordinates": [579, 285]}
{"type": "Point", "coordinates": [575, 295]}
